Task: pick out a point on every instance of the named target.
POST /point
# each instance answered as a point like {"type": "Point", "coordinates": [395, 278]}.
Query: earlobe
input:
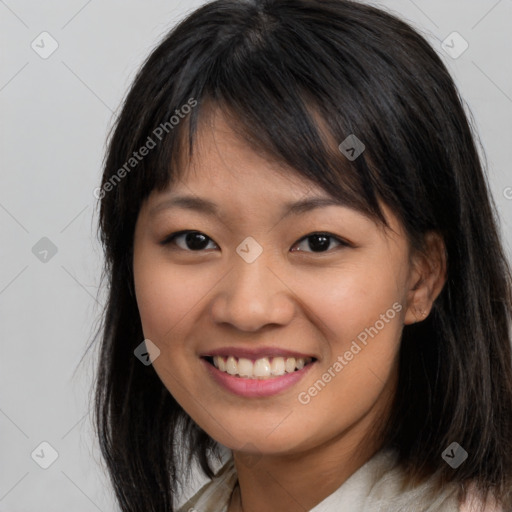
{"type": "Point", "coordinates": [428, 278]}
{"type": "Point", "coordinates": [420, 314]}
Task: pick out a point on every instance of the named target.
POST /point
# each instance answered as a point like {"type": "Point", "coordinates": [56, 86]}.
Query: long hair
{"type": "Point", "coordinates": [297, 77]}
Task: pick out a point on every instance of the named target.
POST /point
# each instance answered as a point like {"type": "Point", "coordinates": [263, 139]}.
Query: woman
{"type": "Point", "coordinates": [304, 271]}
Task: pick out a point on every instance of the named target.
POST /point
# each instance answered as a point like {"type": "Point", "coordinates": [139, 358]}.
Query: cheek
{"type": "Point", "coordinates": [166, 298]}
{"type": "Point", "coordinates": [154, 300]}
{"type": "Point", "coordinates": [165, 295]}
{"type": "Point", "coordinates": [349, 299]}
{"type": "Point", "coordinates": [359, 311]}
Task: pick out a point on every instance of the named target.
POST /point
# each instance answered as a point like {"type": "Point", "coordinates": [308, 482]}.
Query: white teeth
{"type": "Point", "coordinates": [277, 366]}
{"type": "Point", "coordinates": [231, 366]}
{"type": "Point", "coordinates": [263, 368]}
{"type": "Point", "coordinates": [245, 367]}
{"type": "Point", "coordinates": [290, 364]}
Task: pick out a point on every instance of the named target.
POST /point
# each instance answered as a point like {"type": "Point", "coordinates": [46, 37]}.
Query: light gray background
{"type": "Point", "coordinates": [55, 116]}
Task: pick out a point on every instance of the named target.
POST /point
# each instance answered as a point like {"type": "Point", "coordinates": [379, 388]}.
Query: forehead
{"type": "Point", "coordinates": [224, 162]}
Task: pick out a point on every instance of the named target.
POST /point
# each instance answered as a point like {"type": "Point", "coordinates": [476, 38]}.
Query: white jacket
{"type": "Point", "coordinates": [374, 487]}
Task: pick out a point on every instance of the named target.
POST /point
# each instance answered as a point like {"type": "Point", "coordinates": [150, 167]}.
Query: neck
{"type": "Point", "coordinates": [300, 481]}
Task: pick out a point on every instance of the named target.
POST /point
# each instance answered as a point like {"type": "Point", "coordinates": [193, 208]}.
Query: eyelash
{"type": "Point", "coordinates": [172, 237]}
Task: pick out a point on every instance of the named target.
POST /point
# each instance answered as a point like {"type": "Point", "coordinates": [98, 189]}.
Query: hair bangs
{"type": "Point", "coordinates": [286, 127]}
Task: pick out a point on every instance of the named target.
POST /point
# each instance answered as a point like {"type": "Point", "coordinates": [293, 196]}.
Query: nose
{"type": "Point", "coordinates": [253, 295]}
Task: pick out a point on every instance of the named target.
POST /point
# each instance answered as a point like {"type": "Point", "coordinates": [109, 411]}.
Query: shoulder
{"type": "Point", "coordinates": [474, 503]}
{"type": "Point", "coordinates": [214, 496]}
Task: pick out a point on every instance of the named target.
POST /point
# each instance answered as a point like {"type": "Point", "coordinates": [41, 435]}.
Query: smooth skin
{"type": "Point", "coordinates": [288, 455]}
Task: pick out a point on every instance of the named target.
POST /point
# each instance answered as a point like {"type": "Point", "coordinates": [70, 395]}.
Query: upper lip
{"type": "Point", "coordinates": [255, 353]}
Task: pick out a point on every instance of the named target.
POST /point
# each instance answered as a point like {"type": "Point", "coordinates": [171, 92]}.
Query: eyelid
{"type": "Point", "coordinates": [342, 242]}
{"type": "Point", "coordinates": [169, 238]}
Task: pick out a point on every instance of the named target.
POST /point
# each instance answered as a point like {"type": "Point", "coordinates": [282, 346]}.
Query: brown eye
{"type": "Point", "coordinates": [189, 240]}
{"type": "Point", "coordinates": [320, 242]}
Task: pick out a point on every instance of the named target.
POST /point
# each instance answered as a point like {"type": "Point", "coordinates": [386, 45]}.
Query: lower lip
{"type": "Point", "coordinates": [256, 387]}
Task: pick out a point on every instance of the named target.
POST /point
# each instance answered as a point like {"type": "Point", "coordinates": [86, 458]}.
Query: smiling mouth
{"type": "Point", "coordinates": [263, 368]}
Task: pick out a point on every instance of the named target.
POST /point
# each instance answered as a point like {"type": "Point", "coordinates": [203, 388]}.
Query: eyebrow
{"type": "Point", "coordinates": [208, 207]}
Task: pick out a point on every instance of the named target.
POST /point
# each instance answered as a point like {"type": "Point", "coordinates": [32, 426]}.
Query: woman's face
{"type": "Point", "coordinates": [250, 284]}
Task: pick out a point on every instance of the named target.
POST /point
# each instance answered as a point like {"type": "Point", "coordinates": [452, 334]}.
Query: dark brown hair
{"type": "Point", "coordinates": [272, 65]}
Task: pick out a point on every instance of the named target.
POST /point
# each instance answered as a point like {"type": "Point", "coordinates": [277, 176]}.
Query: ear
{"type": "Point", "coordinates": [427, 278]}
